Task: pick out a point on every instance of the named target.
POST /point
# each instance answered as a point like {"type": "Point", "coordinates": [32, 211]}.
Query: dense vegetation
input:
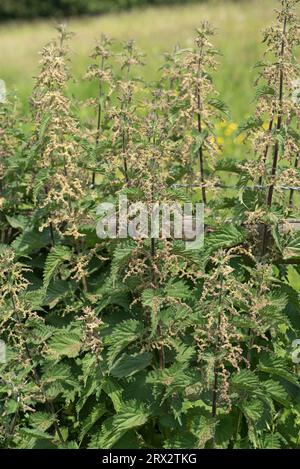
{"type": "Point", "coordinates": [12, 9]}
{"type": "Point", "coordinates": [142, 343]}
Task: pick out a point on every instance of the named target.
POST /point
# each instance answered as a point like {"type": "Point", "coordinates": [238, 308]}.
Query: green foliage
{"type": "Point", "coordinates": [112, 343]}
{"type": "Point", "coordinates": [62, 8]}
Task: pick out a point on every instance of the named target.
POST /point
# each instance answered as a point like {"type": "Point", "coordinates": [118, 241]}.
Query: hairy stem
{"type": "Point", "coordinates": [291, 198]}
{"type": "Point", "coordinates": [265, 156]}
{"type": "Point", "coordinates": [99, 116]}
{"type": "Point", "coordinates": [276, 147]}
{"type": "Point", "coordinates": [216, 365]}
{"type": "Point", "coordinates": [154, 285]}
{"type": "Point", "coordinates": [199, 128]}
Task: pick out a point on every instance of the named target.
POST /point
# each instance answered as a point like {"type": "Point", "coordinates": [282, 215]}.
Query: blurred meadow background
{"type": "Point", "coordinates": [156, 29]}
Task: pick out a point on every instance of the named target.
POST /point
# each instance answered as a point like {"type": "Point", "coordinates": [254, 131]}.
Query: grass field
{"type": "Point", "coordinates": [156, 30]}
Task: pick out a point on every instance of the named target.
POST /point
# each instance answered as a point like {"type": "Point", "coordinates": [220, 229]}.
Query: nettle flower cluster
{"type": "Point", "coordinates": [141, 342]}
{"type": "Point", "coordinates": [58, 186]}
{"type": "Point", "coordinates": [274, 129]}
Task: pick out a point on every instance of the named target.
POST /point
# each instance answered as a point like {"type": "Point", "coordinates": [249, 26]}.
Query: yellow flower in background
{"type": "Point", "coordinates": [214, 143]}
{"type": "Point", "coordinates": [230, 129]}
{"type": "Point", "coordinates": [238, 140]}
{"type": "Point", "coordinates": [220, 140]}
{"type": "Point", "coordinates": [266, 125]}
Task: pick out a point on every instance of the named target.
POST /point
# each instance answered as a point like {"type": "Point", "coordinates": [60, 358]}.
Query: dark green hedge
{"type": "Point", "coordinates": [10, 9]}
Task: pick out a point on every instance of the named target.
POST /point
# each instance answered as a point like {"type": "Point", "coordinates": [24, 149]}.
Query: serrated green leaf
{"type": "Point", "coordinates": [221, 106]}
{"type": "Point", "coordinates": [57, 256]}
{"type": "Point", "coordinates": [65, 343]}
{"type": "Point", "coordinates": [127, 365]}
{"type": "Point", "coordinates": [123, 335]}
{"type": "Point", "coordinates": [226, 237]}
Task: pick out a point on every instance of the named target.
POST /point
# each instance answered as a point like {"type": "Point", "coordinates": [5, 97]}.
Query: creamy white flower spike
{"type": "Point", "coordinates": [2, 92]}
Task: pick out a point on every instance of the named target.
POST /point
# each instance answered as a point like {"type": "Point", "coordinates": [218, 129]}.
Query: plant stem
{"type": "Point", "coordinates": [99, 115]}
{"type": "Point", "coordinates": [199, 127]}
{"type": "Point", "coordinates": [216, 365]}
{"type": "Point", "coordinates": [266, 151]}
{"type": "Point", "coordinates": [276, 148]}
{"type": "Point", "coordinates": [124, 157]}
{"type": "Point", "coordinates": [154, 285]}
{"type": "Point", "coordinates": [51, 228]}
{"type": "Point", "coordinates": [124, 140]}
{"type": "Point", "coordinates": [291, 199]}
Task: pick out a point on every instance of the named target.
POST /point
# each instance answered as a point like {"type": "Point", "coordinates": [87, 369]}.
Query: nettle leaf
{"type": "Point", "coordinates": [273, 441]}
{"type": "Point", "coordinates": [253, 409]}
{"type": "Point", "coordinates": [35, 433]}
{"type": "Point", "coordinates": [277, 367]}
{"type": "Point", "coordinates": [18, 222]}
{"type": "Point", "coordinates": [245, 380]}
{"type": "Point", "coordinates": [121, 257]}
{"type": "Point", "coordinates": [250, 124]}
{"type": "Point", "coordinates": [221, 106]}
{"type": "Point", "coordinates": [225, 430]}
{"type": "Point", "coordinates": [132, 415]}
{"type": "Point", "coordinates": [114, 392]}
{"type": "Point", "coordinates": [178, 290]}
{"type": "Point", "coordinates": [122, 335]}
{"type": "Point", "coordinates": [264, 90]}
{"type": "Point", "coordinates": [199, 139]}
{"type": "Point", "coordinates": [226, 237]}
{"type": "Point", "coordinates": [41, 420]}
{"type": "Point", "coordinates": [65, 343]}
{"type": "Point", "coordinates": [203, 428]}
{"type": "Point", "coordinates": [56, 291]}
{"type": "Point", "coordinates": [59, 372]}
{"type": "Point", "coordinates": [11, 406]}
{"type": "Point", "coordinates": [128, 365]}
{"type": "Point", "coordinates": [43, 127]}
{"type": "Point", "coordinates": [229, 165]}
{"type": "Point", "coordinates": [294, 134]}
{"type": "Point", "coordinates": [276, 391]}
{"type": "Point", "coordinates": [174, 379]}
{"type": "Point", "coordinates": [42, 332]}
{"type": "Point", "coordinates": [277, 237]}
{"type": "Point", "coordinates": [293, 278]}
{"type": "Point", "coordinates": [180, 440]}
{"type": "Point", "coordinates": [151, 297]}
{"type": "Point", "coordinates": [280, 137]}
{"type": "Point", "coordinates": [31, 241]}
{"type": "Point", "coordinates": [96, 413]}
{"type": "Point", "coordinates": [292, 250]}
{"type": "Point", "coordinates": [113, 293]}
{"type": "Point", "coordinates": [42, 177]}
{"type": "Point", "coordinates": [108, 437]}
{"type": "Point", "coordinates": [57, 256]}
{"type": "Point", "coordinates": [184, 353]}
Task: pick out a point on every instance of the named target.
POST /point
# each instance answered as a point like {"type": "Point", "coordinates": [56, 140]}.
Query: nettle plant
{"type": "Point", "coordinates": [143, 343]}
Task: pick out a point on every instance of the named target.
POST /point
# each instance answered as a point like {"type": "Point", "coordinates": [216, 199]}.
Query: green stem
{"type": "Point", "coordinates": [99, 116]}
{"type": "Point", "coordinates": [199, 128]}
{"type": "Point", "coordinates": [276, 148]}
